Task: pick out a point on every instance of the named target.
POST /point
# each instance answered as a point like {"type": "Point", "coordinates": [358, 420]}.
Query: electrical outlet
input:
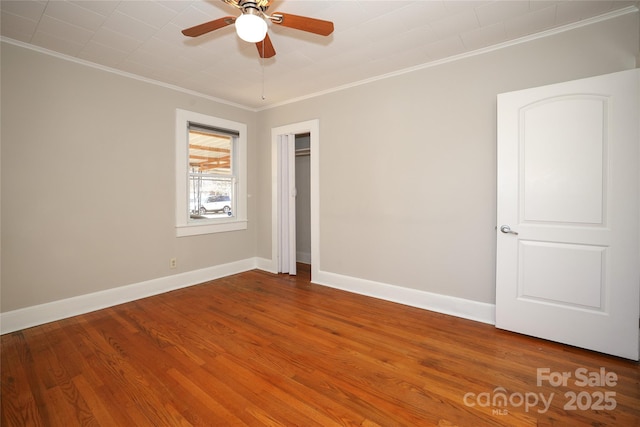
{"type": "Point", "coordinates": [173, 263]}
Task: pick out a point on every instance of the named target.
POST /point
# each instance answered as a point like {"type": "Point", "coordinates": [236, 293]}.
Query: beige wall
{"type": "Point", "coordinates": [407, 164]}
{"type": "Point", "coordinates": [407, 170]}
{"type": "Point", "coordinates": [88, 183]}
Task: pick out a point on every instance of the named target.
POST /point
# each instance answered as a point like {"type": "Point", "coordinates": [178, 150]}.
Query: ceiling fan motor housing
{"type": "Point", "coordinates": [246, 5]}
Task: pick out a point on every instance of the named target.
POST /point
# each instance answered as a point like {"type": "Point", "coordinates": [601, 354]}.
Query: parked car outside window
{"type": "Point", "coordinates": [216, 204]}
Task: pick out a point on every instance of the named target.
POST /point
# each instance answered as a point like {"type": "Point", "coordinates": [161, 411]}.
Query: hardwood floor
{"type": "Point", "coordinates": [258, 349]}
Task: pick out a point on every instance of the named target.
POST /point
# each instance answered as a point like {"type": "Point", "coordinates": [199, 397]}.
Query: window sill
{"type": "Point", "coordinates": [210, 228]}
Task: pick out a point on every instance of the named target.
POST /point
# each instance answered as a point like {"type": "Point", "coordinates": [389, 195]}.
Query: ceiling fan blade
{"type": "Point", "coordinates": [265, 48]}
{"type": "Point", "coordinates": [311, 25]}
{"type": "Point", "coordinates": [207, 27]}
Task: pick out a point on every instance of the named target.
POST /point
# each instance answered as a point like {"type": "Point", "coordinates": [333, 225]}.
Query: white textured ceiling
{"type": "Point", "coordinates": [371, 38]}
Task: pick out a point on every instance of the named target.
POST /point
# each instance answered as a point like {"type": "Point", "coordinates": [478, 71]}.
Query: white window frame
{"type": "Point", "coordinates": [238, 221]}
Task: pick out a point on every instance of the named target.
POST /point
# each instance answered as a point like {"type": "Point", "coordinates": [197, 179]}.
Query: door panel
{"type": "Point", "coordinates": [545, 265]}
{"type": "Point", "coordinates": [564, 157]}
{"type": "Point", "coordinates": [568, 266]}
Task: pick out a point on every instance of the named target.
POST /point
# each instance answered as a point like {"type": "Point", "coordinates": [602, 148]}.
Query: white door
{"type": "Point", "coordinates": [287, 204]}
{"type": "Point", "coordinates": [568, 252]}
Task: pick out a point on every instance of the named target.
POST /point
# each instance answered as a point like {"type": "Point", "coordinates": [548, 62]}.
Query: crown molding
{"type": "Point", "coordinates": [492, 48]}
{"type": "Point", "coordinates": [122, 73]}
{"type": "Point", "coordinates": [525, 39]}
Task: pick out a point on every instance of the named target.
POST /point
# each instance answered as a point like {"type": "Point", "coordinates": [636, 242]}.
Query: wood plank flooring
{"type": "Point", "coordinates": [258, 349]}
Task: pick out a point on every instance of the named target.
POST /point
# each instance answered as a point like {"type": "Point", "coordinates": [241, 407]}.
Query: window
{"type": "Point", "coordinates": [211, 172]}
{"type": "Point", "coordinates": [211, 189]}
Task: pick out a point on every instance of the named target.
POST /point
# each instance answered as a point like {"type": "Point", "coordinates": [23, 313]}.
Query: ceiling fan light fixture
{"type": "Point", "coordinates": [251, 27]}
{"type": "Point", "coordinates": [253, 24]}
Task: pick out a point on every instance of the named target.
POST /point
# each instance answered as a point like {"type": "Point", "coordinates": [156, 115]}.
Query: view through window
{"type": "Point", "coordinates": [211, 172]}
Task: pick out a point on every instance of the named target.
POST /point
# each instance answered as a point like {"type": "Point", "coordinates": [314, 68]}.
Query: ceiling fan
{"type": "Point", "coordinates": [251, 26]}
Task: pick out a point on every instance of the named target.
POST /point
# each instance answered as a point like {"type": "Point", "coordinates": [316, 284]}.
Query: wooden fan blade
{"type": "Point", "coordinates": [265, 48]}
{"type": "Point", "coordinates": [207, 27]}
{"type": "Point", "coordinates": [311, 25]}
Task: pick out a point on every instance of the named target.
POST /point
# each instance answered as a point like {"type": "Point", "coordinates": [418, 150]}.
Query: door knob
{"type": "Point", "coordinates": [507, 230]}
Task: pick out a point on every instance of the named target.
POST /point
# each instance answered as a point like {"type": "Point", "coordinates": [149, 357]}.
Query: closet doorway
{"type": "Point", "coordinates": [303, 197]}
{"type": "Point", "coordinates": [295, 207]}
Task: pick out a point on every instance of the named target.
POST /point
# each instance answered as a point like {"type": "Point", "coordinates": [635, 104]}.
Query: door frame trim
{"type": "Point", "coordinates": [313, 128]}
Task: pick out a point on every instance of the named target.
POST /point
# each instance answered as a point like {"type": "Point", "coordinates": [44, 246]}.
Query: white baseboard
{"type": "Point", "coordinates": [44, 313]}
{"type": "Point", "coordinates": [266, 265]}
{"type": "Point", "coordinates": [454, 306]}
